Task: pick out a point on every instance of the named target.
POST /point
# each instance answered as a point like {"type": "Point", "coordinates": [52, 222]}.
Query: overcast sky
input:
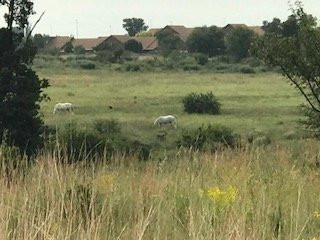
{"type": "Point", "coordinates": [102, 17]}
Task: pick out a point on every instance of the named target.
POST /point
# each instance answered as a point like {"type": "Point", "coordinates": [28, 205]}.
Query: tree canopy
{"type": "Point", "coordinates": [21, 90]}
{"type": "Point", "coordinates": [238, 42]}
{"type": "Point", "coordinates": [168, 41]}
{"type": "Point", "coordinates": [134, 26]}
{"type": "Point", "coordinates": [207, 40]}
{"type": "Point", "coordinates": [133, 46]}
{"type": "Point", "coordinates": [298, 57]}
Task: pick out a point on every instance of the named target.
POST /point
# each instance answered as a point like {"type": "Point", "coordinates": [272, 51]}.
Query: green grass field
{"type": "Point", "coordinates": [258, 102]}
{"type": "Point", "coordinates": [260, 192]}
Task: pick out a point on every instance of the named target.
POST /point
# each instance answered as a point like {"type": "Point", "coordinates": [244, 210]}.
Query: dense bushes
{"type": "Point", "coordinates": [208, 138]}
{"type": "Point", "coordinates": [88, 65]}
{"type": "Point", "coordinates": [104, 139]}
{"type": "Point", "coordinates": [201, 103]}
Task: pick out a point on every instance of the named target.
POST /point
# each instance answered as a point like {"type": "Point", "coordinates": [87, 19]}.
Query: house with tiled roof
{"type": "Point", "coordinates": [118, 42]}
{"type": "Point", "coordinates": [230, 27]}
{"type": "Point", "coordinates": [181, 31]}
{"type": "Point", "coordinates": [58, 42]}
{"type": "Point", "coordinates": [148, 43]}
{"type": "Point", "coordinates": [114, 42]}
{"type": "Point", "coordinates": [89, 44]}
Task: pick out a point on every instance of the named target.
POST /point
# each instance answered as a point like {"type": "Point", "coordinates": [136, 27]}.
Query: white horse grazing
{"type": "Point", "coordinates": [63, 107]}
{"type": "Point", "coordinates": [169, 119]}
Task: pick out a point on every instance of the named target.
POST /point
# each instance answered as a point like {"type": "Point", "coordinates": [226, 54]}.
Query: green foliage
{"type": "Point", "coordinates": [297, 55]}
{"type": "Point", "coordinates": [191, 67]}
{"type": "Point", "coordinates": [40, 41]}
{"type": "Point", "coordinates": [88, 65]}
{"type": "Point", "coordinates": [144, 34]}
{"type": "Point", "coordinates": [50, 51]}
{"type": "Point", "coordinates": [21, 90]}
{"type": "Point", "coordinates": [210, 137]}
{"type": "Point", "coordinates": [168, 41]}
{"type": "Point", "coordinates": [247, 70]}
{"type": "Point", "coordinates": [134, 26]}
{"type": "Point", "coordinates": [201, 58]}
{"type": "Point", "coordinates": [272, 27]}
{"type": "Point", "coordinates": [107, 127]}
{"type": "Point", "coordinates": [206, 40]}
{"type": "Point", "coordinates": [104, 139]}
{"type": "Point", "coordinates": [133, 46]}
{"type": "Point", "coordinates": [238, 42]}
{"type": "Point", "coordinates": [68, 48]}
{"type": "Point", "coordinates": [79, 50]}
{"type": "Point", "coordinates": [201, 103]}
{"type": "Point", "coordinates": [111, 56]}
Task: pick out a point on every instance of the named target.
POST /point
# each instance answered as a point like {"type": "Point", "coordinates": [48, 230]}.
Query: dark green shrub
{"type": "Point", "coordinates": [191, 67]}
{"type": "Point", "coordinates": [50, 51]}
{"type": "Point", "coordinates": [88, 66]}
{"type": "Point", "coordinates": [68, 48]}
{"type": "Point", "coordinates": [201, 103]}
{"type": "Point", "coordinates": [247, 70]}
{"type": "Point", "coordinates": [133, 46]}
{"type": "Point", "coordinates": [132, 67]}
{"type": "Point", "coordinates": [104, 140]}
{"type": "Point", "coordinates": [79, 50]}
{"type": "Point", "coordinates": [135, 147]}
{"type": "Point", "coordinates": [107, 127]}
{"type": "Point", "coordinates": [201, 58]}
{"type": "Point", "coordinates": [209, 138]}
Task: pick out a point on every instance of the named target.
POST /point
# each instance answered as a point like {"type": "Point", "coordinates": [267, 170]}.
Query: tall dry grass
{"type": "Point", "coordinates": [262, 193]}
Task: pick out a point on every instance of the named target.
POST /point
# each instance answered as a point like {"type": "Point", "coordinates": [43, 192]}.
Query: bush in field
{"type": "Point", "coordinates": [210, 138]}
{"type": "Point", "coordinates": [107, 127]}
{"type": "Point", "coordinates": [79, 50]}
{"type": "Point", "coordinates": [88, 66]}
{"type": "Point", "coordinates": [201, 58]}
{"type": "Point", "coordinates": [201, 103]}
{"type": "Point", "coordinates": [68, 48]}
{"type": "Point", "coordinates": [191, 67]}
{"type": "Point", "coordinates": [103, 140]}
{"type": "Point", "coordinates": [247, 70]}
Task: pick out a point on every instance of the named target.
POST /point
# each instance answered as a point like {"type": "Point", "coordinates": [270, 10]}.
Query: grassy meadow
{"type": "Point", "coordinates": [257, 102]}
{"type": "Point", "coordinates": [263, 192]}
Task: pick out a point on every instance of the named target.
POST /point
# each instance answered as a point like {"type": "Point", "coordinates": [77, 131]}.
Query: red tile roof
{"type": "Point", "coordinates": [88, 43]}
{"type": "Point", "coordinates": [148, 43]}
{"type": "Point", "coordinates": [58, 42]}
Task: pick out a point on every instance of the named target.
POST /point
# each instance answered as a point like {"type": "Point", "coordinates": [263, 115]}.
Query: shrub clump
{"type": "Point", "coordinates": [247, 70]}
{"type": "Point", "coordinates": [211, 137]}
{"type": "Point", "coordinates": [201, 58]}
{"type": "Point", "coordinates": [88, 66]}
{"type": "Point", "coordinates": [201, 103]}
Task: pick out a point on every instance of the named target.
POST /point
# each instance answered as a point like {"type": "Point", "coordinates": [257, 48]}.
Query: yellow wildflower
{"type": "Point", "coordinates": [222, 198]}
{"type": "Point", "coordinates": [105, 183]}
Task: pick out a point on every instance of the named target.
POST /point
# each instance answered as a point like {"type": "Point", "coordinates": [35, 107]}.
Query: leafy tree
{"type": "Point", "coordinates": [207, 40]}
{"type": "Point", "coordinates": [239, 41]}
{"type": "Point", "coordinates": [21, 90]}
{"type": "Point", "coordinates": [290, 26]}
{"type": "Point", "coordinates": [168, 41]}
{"type": "Point", "coordinates": [68, 48]}
{"type": "Point", "coordinates": [134, 26]}
{"type": "Point", "coordinates": [133, 46]}
{"type": "Point", "coordinates": [40, 41]}
{"type": "Point", "coordinates": [273, 27]}
{"type": "Point", "coordinates": [298, 57]}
